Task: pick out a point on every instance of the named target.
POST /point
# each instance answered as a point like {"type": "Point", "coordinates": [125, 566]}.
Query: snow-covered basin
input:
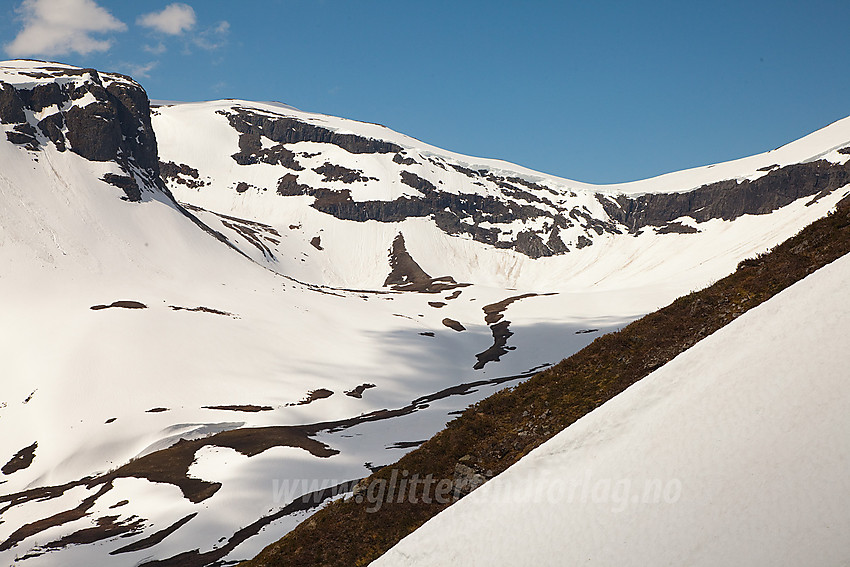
{"type": "Point", "coordinates": [737, 452]}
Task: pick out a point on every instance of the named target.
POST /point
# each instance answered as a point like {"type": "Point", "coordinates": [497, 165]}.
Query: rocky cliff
{"type": "Point", "coordinates": [99, 116]}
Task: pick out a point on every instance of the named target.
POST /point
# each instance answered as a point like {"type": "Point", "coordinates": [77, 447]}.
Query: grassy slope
{"type": "Point", "coordinates": [493, 434]}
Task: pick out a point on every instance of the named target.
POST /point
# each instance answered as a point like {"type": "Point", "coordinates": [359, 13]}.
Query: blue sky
{"type": "Point", "coordinates": [596, 91]}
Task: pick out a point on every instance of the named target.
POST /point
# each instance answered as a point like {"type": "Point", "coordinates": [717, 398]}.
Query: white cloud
{"type": "Point", "coordinates": [59, 27]}
{"type": "Point", "coordinates": [174, 19]}
{"type": "Point", "coordinates": [213, 37]}
{"type": "Point", "coordinates": [142, 71]}
{"type": "Point", "coordinates": [157, 49]}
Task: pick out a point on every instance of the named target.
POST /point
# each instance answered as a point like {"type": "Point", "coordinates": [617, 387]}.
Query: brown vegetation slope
{"type": "Point", "coordinates": [494, 433]}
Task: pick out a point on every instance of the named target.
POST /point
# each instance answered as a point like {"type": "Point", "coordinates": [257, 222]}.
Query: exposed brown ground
{"type": "Point", "coordinates": [21, 460]}
{"type": "Point", "coordinates": [154, 538]}
{"type": "Point", "coordinates": [245, 407]}
{"type": "Point", "coordinates": [358, 391]}
{"type": "Point", "coordinates": [124, 304]}
{"type": "Point", "coordinates": [452, 324]}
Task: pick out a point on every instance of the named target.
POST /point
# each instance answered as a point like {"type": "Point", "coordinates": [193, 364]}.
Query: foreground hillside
{"type": "Point", "coordinates": [495, 433]}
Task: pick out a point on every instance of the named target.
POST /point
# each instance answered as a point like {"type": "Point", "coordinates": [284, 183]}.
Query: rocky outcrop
{"type": "Point", "coordinates": [730, 199]}
{"type": "Point", "coordinates": [468, 476]}
{"type": "Point", "coordinates": [531, 245]}
{"type": "Point", "coordinates": [333, 172]}
{"type": "Point", "coordinates": [286, 130]}
{"type": "Point", "coordinates": [93, 131]}
{"type": "Point", "coordinates": [113, 124]}
{"type": "Point", "coordinates": [125, 182]}
{"type": "Point", "coordinates": [404, 160]}
{"type": "Point", "coordinates": [183, 174]}
{"type": "Point", "coordinates": [453, 213]}
{"type": "Point", "coordinates": [406, 275]}
{"type": "Point", "coordinates": [11, 105]}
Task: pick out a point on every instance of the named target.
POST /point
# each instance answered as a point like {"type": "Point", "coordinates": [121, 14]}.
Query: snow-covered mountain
{"type": "Point", "coordinates": [301, 299]}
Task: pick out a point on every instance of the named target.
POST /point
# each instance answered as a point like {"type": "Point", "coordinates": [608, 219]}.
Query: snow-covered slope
{"type": "Point", "coordinates": [734, 453]}
{"type": "Point", "coordinates": [282, 328]}
{"type": "Point", "coordinates": [482, 221]}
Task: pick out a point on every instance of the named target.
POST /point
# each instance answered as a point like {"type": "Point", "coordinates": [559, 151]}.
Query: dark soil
{"type": "Point", "coordinates": [202, 309]}
{"type": "Point", "coordinates": [493, 313]}
{"type": "Point", "coordinates": [107, 527]}
{"type": "Point", "coordinates": [21, 460]}
{"type": "Point", "coordinates": [251, 408]}
{"type": "Point", "coordinates": [358, 391]}
{"type": "Point", "coordinates": [333, 172]}
{"type": "Point", "coordinates": [501, 334]}
{"type": "Point", "coordinates": [154, 538]}
{"type": "Point", "coordinates": [452, 324]}
{"type": "Point", "coordinates": [123, 304]}
{"type": "Point", "coordinates": [406, 275]}
{"type": "Point", "coordinates": [314, 395]}
{"type": "Point", "coordinates": [58, 519]}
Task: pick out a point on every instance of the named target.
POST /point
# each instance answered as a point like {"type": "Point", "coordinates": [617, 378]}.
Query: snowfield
{"type": "Point", "coordinates": [734, 453]}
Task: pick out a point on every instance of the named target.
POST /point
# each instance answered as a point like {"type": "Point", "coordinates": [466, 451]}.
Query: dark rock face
{"type": "Point", "coordinates": [11, 105]}
{"type": "Point", "coordinates": [251, 151]}
{"type": "Point", "coordinates": [125, 182]}
{"type": "Point", "coordinates": [284, 130]}
{"type": "Point", "coordinates": [93, 131]}
{"type": "Point", "coordinates": [116, 126]}
{"type": "Point", "coordinates": [451, 212]}
{"type": "Point", "coordinates": [555, 243]}
{"type": "Point", "coordinates": [42, 96]}
{"type": "Point", "coordinates": [134, 119]}
{"type": "Point", "coordinates": [182, 174]}
{"type": "Point", "coordinates": [729, 200]}
{"type": "Point", "coordinates": [532, 245]}
{"type": "Point", "coordinates": [332, 172]}
{"type": "Point", "coordinates": [25, 135]}
{"type": "Point", "coordinates": [413, 180]}
{"type": "Point", "coordinates": [402, 160]}
{"type": "Point", "coordinates": [52, 126]}
{"type": "Point", "coordinates": [678, 228]}
{"type": "Point", "coordinates": [288, 186]}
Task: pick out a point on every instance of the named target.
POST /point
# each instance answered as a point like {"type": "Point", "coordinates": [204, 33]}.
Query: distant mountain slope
{"type": "Point", "coordinates": [496, 432]}
{"type": "Point", "coordinates": [734, 453]}
{"type": "Point", "coordinates": [343, 184]}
